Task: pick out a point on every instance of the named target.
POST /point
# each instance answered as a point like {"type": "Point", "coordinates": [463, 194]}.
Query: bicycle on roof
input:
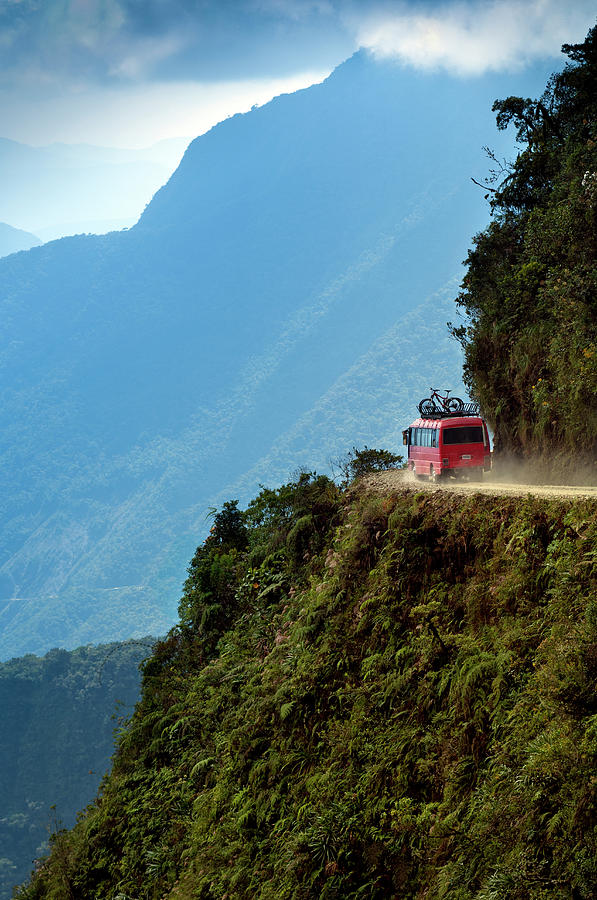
{"type": "Point", "coordinates": [438, 402]}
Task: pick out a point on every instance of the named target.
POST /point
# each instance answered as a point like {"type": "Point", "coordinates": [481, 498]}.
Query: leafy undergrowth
{"type": "Point", "coordinates": [365, 698]}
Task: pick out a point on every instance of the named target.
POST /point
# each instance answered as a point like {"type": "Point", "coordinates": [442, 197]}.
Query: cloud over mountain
{"type": "Point", "coordinates": [129, 73]}
{"type": "Point", "coordinates": [112, 41]}
{"type": "Point", "coordinates": [469, 38]}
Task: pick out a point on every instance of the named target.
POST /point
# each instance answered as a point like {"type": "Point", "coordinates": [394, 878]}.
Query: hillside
{"type": "Point", "coordinates": [59, 715]}
{"type": "Point", "coordinates": [282, 298]}
{"type": "Point", "coordinates": [381, 696]}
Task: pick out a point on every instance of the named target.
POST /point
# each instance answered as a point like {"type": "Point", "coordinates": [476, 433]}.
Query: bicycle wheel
{"type": "Point", "coordinates": [426, 407]}
{"type": "Point", "coordinates": [453, 404]}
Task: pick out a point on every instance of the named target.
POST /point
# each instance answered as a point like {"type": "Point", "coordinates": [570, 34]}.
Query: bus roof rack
{"type": "Point", "coordinates": [466, 409]}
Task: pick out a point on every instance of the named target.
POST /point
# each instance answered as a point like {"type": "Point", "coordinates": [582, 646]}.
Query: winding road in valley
{"type": "Point", "coordinates": [398, 479]}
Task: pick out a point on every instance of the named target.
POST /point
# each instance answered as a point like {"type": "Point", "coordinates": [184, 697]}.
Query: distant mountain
{"type": "Point", "coordinates": [65, 189]}
{"type": "Point", "coordinates": [13, 239]}
{"type": "Point", "coordinates": [282, 298]}
{"type": "Point", "coordinates": [59, 714]}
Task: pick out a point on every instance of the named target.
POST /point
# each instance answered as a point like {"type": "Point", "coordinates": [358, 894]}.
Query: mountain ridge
{"type": "Point", "coordinates": [149, 369]}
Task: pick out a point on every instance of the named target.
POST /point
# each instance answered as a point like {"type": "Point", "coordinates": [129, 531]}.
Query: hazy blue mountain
{"type": "Point", "coordinates": [67, 189]}
{"type": "Point", "coordinates": [13, 239]}
{"type": "Point", "coordinates": [59, 714]}
{"type": "Point", "coordinates": [283, 297]}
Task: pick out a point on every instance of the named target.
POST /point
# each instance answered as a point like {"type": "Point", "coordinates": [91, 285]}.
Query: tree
{"type": "Point", "coordinates": [530, 290]}
{"type": "Point", "coordinates": [228, 530]}
{"type": "Point", "coordinates": [359, 462]}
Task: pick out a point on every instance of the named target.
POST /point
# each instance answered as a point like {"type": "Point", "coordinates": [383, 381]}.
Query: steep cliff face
{"type": "Point", "coordinates": [380, 696]}
{"type": "Point", "coordinates": [531, 284]}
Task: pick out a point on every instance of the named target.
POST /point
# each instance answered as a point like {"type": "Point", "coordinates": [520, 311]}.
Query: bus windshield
{"type": "Point", "coordinates": [463, 434]}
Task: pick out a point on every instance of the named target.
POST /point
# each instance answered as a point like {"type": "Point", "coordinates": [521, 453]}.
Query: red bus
{"type": "Point", "coordinates": [448, 446]}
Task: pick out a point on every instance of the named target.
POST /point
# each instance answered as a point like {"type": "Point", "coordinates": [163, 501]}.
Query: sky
{"type": "Point", "coordinates": [129, 73]}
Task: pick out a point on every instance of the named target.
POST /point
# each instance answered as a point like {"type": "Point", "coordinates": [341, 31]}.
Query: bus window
{"type": "Point", "coordinates": [463, 434]}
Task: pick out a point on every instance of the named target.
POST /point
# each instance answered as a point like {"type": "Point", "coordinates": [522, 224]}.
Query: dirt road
{"type": "Point", "coordinates": [395, 479]}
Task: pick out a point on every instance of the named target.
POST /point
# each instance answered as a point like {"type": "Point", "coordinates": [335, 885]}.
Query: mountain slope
{"type": "Point", "coordinates": [146, 371]}
{"type": "Point", "coordinates": [382, 696]}
{"type": "Point", "coordinates": [13, 239]}
{"type": "Point", "coordinates": [59, 715]}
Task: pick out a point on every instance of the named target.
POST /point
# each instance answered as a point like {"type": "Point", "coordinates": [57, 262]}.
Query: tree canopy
{"type": "Point", "coordinates": [530, 290]}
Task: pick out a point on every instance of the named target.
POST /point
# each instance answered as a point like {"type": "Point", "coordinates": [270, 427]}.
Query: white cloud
{"type": "Point", "coordinates": [469, 38]}
{"type": "Point", "coordinates": [140, 58]}
{"type": "Point", "coordinates": [121, 72]}
{"type": "Point", "coordinates": [294, 10]}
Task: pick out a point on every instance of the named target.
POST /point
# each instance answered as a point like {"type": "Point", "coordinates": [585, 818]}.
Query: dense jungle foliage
{"type": "Point", "coordinates": [366, 697]}
{"type": "Point", "coordinates": [530, 291]}
{"type": "Point", "coordinates": [59, 713]}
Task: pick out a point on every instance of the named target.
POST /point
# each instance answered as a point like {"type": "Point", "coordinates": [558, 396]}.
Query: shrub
{"type": "Point", "coordinates": [360, 462]}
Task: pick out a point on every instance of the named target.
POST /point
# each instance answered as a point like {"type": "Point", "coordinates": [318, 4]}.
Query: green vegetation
{"type": "Point", "coordinates": [530, 291]}
{"type": "Point", "coordinates": [360, 462]}
{"type": "Point", "coordinates": [365, 697]}
{"type": "Point", "coordinates": [58, 720]}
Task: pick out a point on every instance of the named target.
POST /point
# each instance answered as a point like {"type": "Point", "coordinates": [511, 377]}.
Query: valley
{"type": "Point", "coordinates": [283, 297]}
